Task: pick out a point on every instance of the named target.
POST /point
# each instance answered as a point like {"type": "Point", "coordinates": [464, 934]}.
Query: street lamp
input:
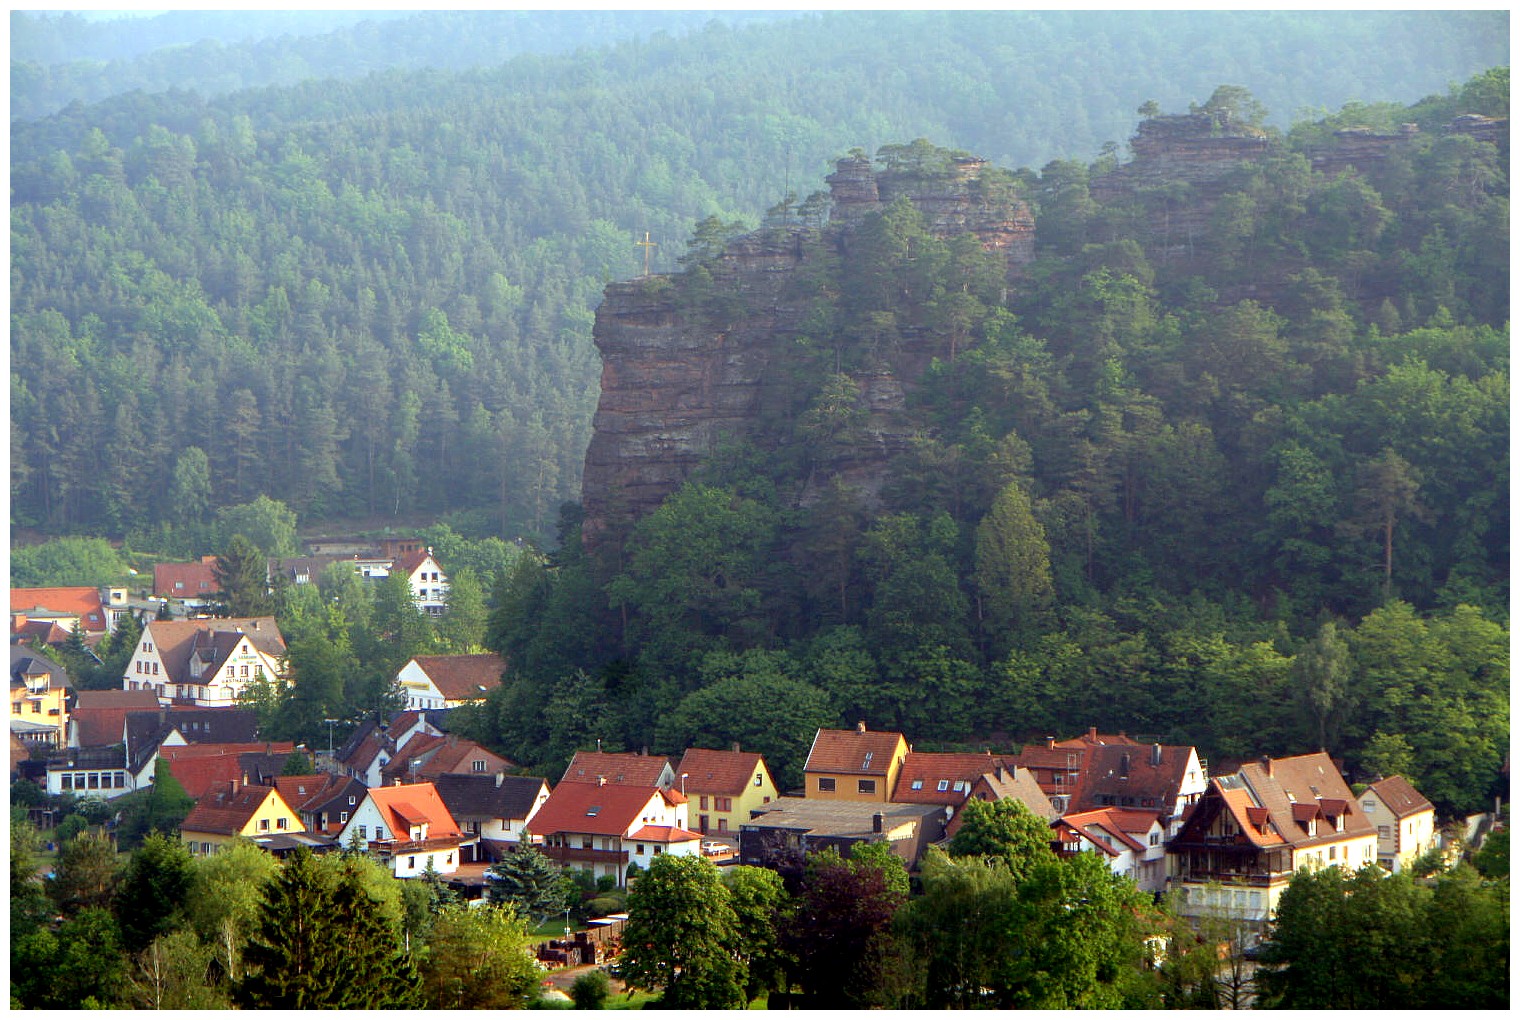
{"type": "Point", "coordinates": [567, 924]}
{"type": "Point", "coordinates": [330, 724]}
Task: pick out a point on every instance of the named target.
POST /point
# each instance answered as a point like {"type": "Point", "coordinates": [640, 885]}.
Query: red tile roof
{"type": "Point", "coordinates": [409, 563]}
{"type": "Point", "coordinates": [185, 580]}
{"type": "Point", "coordinates": [463, 677]}
{"type": "Point", "coordinates": [957, 773]}
{"type": "Point", "coordinates": [227, 812]}
{"type": "Point", "coordinates": [854, 752]}
{"type": "Point", "coordinates": [81, 602]}
{"type": "Point", "coordinates": [615, 768]}
{"type": "Point", "coordinates": [605, 810]}
{"type": "Point", "coordinates": [200, 767]}
{"type": "Point", "coordinates": [1122, 826]}
{"type": "Point", "coordinates": [724, 773]}
{"type": "Point", "coordinates": [1147, 775]}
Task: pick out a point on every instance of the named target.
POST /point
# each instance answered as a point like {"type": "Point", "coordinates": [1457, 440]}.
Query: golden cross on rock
{"type": "Point", "coordinates": [646, 244]}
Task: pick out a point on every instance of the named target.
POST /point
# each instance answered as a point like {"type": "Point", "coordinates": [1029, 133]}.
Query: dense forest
{"type": "Point", "coordinates": [371, 296]}
{"type": "Point", "coordinates": [1255, 500]}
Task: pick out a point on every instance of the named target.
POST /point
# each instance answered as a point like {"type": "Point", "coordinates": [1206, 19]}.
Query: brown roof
{"type": "Point", "coordinates": [1092, 738]}
{"type": "Point", "coordinates": [200, 767]}
{"type": "Point", "coordinates": [439, 755]}
{"type": "Point", "coordinates": [615, 768]}
{"type": "Point", "coordinates": [185, 580]}
{"type": "Point", "coordinates": [1149, 776]}
{"type": "Point", "coordinates": [409, 562]}
{"type": "Point", "coordinates": [463, 677]}
{"type": "Point", "coordinates": [79, 601]}
{"type": "Point", "coordinates": [854, 752]}
{"type": "Point", "coordinates": [938, 778]}
{"type": "Point", "coordinates": [100, 717]}
{"type": "Point", "coordinates": [226, 812]}
{"type": "Point", "coordinates": [1014, 784]}
{"type": "Point", "coordinates": [604, 810]}
{"type": "Point", "coordinates": [1124, 826]}
{"type": "Point", "coordinates": [1296, 789]}
{"type": "Point", "coordinates": [724, 773]}
{"type": "Point", "coordinates": [177, 640]}
{"type": "Point", "coordinates": [1400, 797]}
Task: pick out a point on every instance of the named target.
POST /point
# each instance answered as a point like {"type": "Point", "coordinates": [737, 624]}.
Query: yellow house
{"type": "Point", "coordinates": [1252, 831]}
{"type": "Point", "coordinates": [39, 699]}
{"type": "Point", "coordinates": [1405, 821]}
{"type": "Point", "coordinates": [235, 810]}
{"type": "Point", "coordinates": [722, 787]}
{"type": "Point", "coordinates": [856, 764]}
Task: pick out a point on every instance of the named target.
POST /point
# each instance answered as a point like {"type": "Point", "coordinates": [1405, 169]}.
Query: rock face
{"type": "Point", "coordinates": [676, 380]}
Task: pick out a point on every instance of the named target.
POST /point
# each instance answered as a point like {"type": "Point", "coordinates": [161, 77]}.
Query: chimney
{"type": "Point", "coordinates": [499, 777]}
{"type": "Point", "coordinates": [997, 770]}
{"type": "Point", "coordinates": [860, 727]}
{"type": "Point", "coordinates": [736, 747]}
{"type": "Point", "coordinates": [876, 822]}
{"type": "Point", "coordinates": [396, 781]}
{"type": "Point", "coordinates": [1124, 765]}
{"type": "Point", "coordinates": [1092, 733]}
{"type": "Point", "coordinates": [601, 780]}
{"type": "Point", "coordinates": [1266, 764]}
{"type": "Point", "coordinates": [232, 787]}
{"type": "Point", "coordinates": [1050, 743]}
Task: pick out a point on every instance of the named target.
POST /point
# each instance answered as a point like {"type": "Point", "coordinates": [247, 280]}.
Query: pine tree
{"type": "Point", "coordinates": [527, 880]}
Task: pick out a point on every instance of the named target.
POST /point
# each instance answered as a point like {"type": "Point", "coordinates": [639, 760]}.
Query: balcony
{"type": "Point", "coordinates": [1233, 878]}
{"type": "Point", "coordinates": [568, 855]}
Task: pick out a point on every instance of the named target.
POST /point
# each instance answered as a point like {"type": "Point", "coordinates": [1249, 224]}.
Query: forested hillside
{"type": "Point", "coordinates": [1224, 462]}
{"type": "Point", "coordinates": [373, 296]}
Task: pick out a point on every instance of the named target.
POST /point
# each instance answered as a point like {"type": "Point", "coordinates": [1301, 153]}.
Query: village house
{"type": "Point", "coordinates": [429, 584]}
{"type": "Point", "coordinates": [323, 800]}
{"type": "Point", "coordinates": [40, 693]}
{"type": "Point", "coordinates": [723, 787]}
{"type": "Point", "coordinates": [448, 681]}
{"type": "Point", "coordinates": [425, 757]}
{"type": "Point", "coordinates": [1404, 819]}
{"type": "Point", "coordinates": [1249, 833]}
{"type": "Point", "coordinates": [231, 810]}
{"type": "Point", "coordinates": [791, 825]}
{"type": "Point", "coordinates": [858, 764]}
{"type": "Point", "coordinates": [91, 612]}
{"type": "Point", "coordinates": [1133, 842]}
{"type": "Point", "coordinates": [203, 767]}
{"type": "Point", "coordinates": [208, 663]}
{"type": "Point", "coordinates": [1006, 783]}
{"type": "Point", "coordinates": [1165, 779]}
{"type": "Point", "coordinates": [620, 769]}
{"type": "Point", "coordinates": [408, 828]}
{"type": "Point", "coordinates": [191, 584]}
{"type": "Point", "coordinates": [373, 745]}
{"type": "Point", "coordinates": [603, 827]}
{"type": "Point", "coordinates": [496, 809]}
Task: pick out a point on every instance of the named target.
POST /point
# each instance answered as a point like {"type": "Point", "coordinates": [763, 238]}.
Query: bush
{"type": "Point", "coordinates": [71, 826]}
{"type": "Point", "coordinates": [590, 990]}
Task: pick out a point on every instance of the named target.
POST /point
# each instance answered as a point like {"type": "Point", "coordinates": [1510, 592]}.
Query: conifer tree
{"type": "Point", "coordinates": [528, 881]}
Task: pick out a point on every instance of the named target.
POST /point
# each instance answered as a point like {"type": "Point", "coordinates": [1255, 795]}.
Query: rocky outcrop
{"type": "Point", "coordinates": [681, 373]}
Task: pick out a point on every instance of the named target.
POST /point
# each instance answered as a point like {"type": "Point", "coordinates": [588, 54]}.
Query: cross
{"type": "Point", "coordinates": [646, 244]}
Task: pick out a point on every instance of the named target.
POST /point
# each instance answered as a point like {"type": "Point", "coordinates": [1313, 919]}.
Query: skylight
{"type": "Point", "coordinates": [591, 812]}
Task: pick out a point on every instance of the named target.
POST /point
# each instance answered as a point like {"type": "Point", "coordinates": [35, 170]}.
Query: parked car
{"type": "Point", "coordinates": [712, 848]}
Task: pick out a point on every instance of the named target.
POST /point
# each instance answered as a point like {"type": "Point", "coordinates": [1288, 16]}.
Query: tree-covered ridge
{"type": "Point", "coordinates": [374, 296]}
{"type": "Point", "coordinates": [1252, 499]}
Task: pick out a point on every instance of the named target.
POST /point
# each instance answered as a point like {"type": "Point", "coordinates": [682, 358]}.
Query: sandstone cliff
{"type": "Point", "coordinates": [676, 379]}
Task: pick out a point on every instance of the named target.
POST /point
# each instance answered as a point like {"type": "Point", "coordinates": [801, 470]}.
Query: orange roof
{"type": "Point", "coordinates": [409, 563]}
{"type": "Point", "coordinates": [414, 805]}
{"type": "Point", "coordinates": [725, 773]}
{"type": "Point", "coordinates": [604, 810]}
{"type": "Point", "coordinates": [854, 752]}
{"type": "Point", "coordinates": [664, 834]}
{"type": "Point", "coordinates": [463, 677]}
{"type": "Point", "coordinates": [201, 767]}
{"type": "Point", "coordinates": [81, 602]}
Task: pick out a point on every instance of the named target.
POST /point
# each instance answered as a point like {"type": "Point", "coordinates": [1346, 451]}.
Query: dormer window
{"type": "Point", "coordinates": [944, 784]}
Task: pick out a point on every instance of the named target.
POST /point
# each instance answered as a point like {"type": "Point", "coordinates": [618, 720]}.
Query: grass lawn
{"type": "Point", "coordinates": [624, 1000]}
